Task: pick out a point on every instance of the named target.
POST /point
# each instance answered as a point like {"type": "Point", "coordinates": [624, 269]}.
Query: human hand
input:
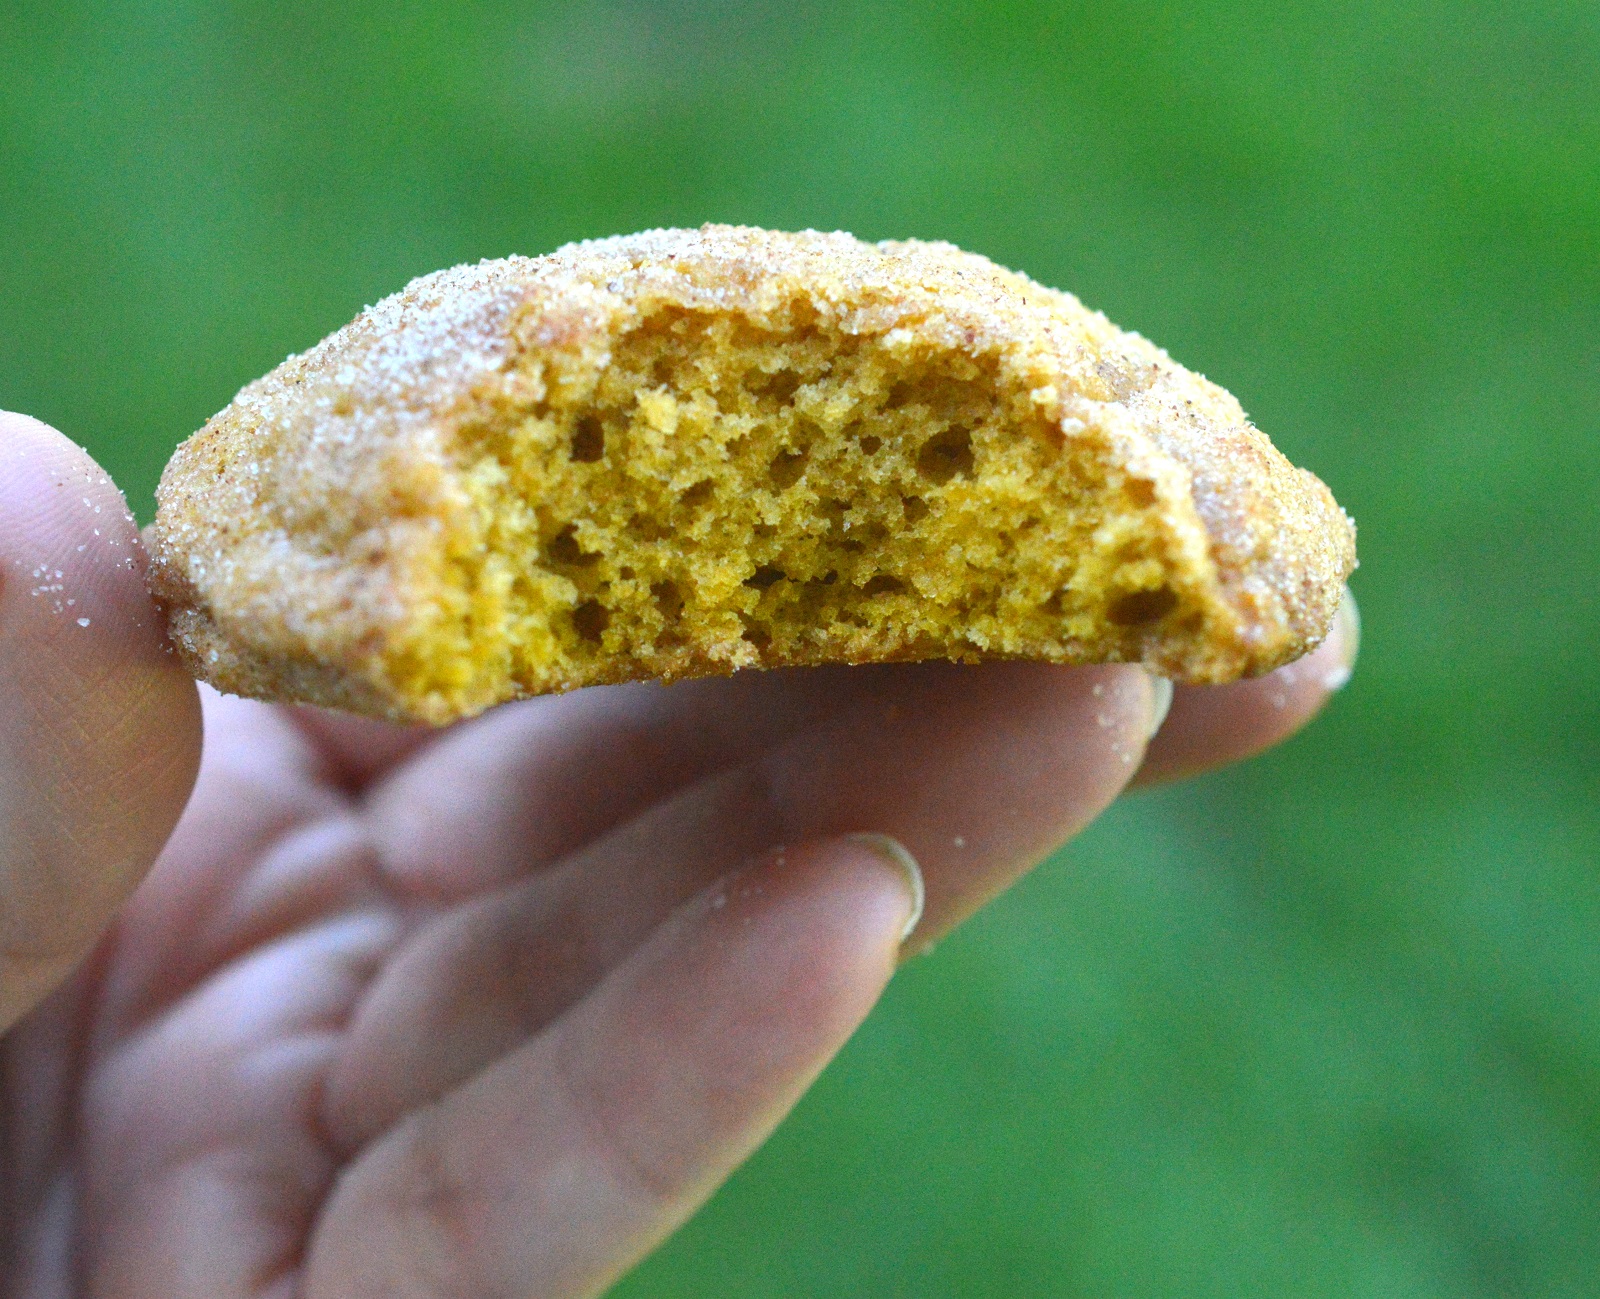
{"type": "Point", "coordinates": [482, 1011]}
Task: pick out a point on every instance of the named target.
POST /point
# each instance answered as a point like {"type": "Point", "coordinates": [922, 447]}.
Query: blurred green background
{"type": "Point", "coordinates": [1327, 1024]}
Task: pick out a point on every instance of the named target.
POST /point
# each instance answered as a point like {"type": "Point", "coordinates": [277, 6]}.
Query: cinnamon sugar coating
{"type": "Point", "coordinates": [685, 452]}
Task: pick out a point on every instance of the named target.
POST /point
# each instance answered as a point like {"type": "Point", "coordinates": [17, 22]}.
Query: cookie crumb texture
{"type": "Point", "coordinates": [691, 451]}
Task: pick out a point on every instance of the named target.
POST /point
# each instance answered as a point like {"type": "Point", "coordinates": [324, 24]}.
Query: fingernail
{"type": "Point", "coordinates": [1347, 630]}
{"type": "Point", "coordinates": [1160, 704]}
{"type": "Point", "coordinates": [894, 852]}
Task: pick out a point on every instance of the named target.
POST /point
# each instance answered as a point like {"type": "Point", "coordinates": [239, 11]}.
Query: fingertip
{"type": "Point", "coordinates": [834, 911]}
{"type": "Point", "coordinates": [68, 541]}
{"type": "Point", "coordinates": [73, 603]}
{"type": "Point", "coordinates": [1211, 726]}
{"type": "Point", "coordinates": [747, 993]}
{"type": "Point", "coordinates": [1345, 638]}
{"type": "Point", "coordinates": [896, 854]}
{"type": "Point", "coordinates": [1160, 704]}
{"type": "Point", "coordinates": [980, 771]}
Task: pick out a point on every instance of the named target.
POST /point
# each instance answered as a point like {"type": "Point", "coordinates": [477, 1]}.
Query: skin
{"type": "Point", "coordinates": [480, 1012]}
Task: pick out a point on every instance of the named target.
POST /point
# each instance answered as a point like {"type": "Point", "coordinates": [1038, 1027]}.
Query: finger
{"type": "Point", "coordinates": [556, 1170]}
{"type": "Point", "coordinates": [526, 784]}
{"type": "Point", "coordinates": [1211, 726]}
{"type": "Point", "coordinates": [979, 772]}
{"type": "Point", "coordinates": [99, 725]}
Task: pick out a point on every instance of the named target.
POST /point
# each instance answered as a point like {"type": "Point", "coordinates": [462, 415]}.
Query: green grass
{"type": "Point", "coordinates": [1328, 1024]}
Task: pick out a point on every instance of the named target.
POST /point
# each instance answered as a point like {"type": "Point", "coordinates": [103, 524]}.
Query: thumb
{"type": "Point", "coordinates": [99, 725]}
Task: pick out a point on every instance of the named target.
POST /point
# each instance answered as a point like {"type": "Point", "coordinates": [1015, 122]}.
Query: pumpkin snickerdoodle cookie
{"type": "Point", "coordinates": [684, 452]}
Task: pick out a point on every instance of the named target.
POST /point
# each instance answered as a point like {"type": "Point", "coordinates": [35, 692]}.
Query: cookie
{"type": "Point", "coordinates": [686, 452]}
